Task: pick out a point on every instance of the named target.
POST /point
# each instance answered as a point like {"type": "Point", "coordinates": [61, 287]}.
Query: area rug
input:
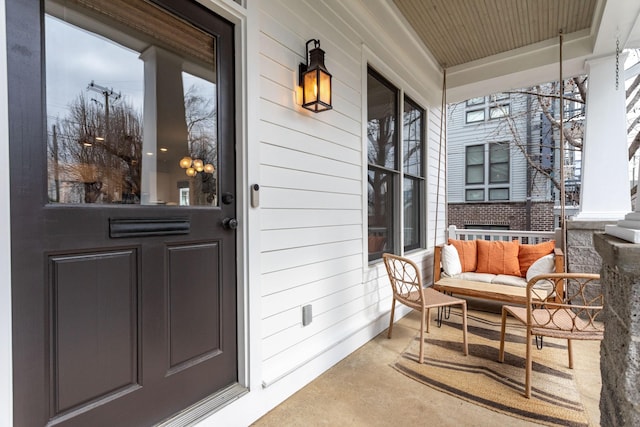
{"type": "Point", "coordinates": [480, 379]}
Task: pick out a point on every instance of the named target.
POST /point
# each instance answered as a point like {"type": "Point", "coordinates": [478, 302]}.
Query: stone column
{"type": "Point", "coordinates": [620, 349]}
{"type": "Point", "coordinates": [605, 178]}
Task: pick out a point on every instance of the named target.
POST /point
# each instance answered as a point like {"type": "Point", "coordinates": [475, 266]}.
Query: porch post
{"type": "Point", "coordinates": [605, 192]}
{"type": "Point", "coordinates": [164, 125]}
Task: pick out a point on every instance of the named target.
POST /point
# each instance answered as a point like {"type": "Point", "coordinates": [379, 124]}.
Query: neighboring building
{"type": "Point", "coordinates": [491, 184]}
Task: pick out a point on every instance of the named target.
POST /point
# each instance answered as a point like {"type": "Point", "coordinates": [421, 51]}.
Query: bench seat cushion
{"type": "Point", "coordinates": [476, 277]}
{"type": "Point", "coordinates": [503, 279]}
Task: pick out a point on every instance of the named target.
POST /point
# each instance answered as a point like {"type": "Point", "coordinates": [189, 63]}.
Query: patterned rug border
{"type": "Point", "coordinates": [408, 359]}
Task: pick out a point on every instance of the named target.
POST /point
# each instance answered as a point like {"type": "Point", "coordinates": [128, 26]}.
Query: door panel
{"type": "Point", "coordinates": [98, 292]}
{"type": "Point", "coordinates": [194, 304]}
{"type": "Point", "coordinates": [124, 284]}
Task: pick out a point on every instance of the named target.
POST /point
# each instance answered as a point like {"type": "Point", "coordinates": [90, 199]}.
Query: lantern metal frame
{"type": "Point", "coordinates": [315, 64]}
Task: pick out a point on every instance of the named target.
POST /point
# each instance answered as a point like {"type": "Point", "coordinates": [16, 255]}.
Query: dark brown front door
{"type": "Point", "coordinates": [123, 209]}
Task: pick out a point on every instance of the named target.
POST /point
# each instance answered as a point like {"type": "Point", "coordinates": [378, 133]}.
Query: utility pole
{"type": "Point", "coordinates": [107, 93]}
{"type": "Point", "coordinates": [111, 162]}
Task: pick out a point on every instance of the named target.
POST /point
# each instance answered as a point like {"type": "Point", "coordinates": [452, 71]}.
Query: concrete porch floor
{"type": "Point", "coordinates": [362, 390]}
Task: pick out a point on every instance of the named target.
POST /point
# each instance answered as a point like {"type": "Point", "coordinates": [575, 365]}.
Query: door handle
{"type": "Point", "coordinates": [230, 223]}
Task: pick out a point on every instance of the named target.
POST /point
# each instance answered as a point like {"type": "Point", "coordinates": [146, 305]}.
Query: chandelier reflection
{"type": "Point", "coordinates": [193, 166]}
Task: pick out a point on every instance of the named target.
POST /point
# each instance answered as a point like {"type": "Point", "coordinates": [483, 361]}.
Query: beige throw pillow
{"type": "Point", "coordinates": [451, 261]}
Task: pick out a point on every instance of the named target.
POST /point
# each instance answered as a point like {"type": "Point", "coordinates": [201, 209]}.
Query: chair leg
{"type": "Point", "coordinates": [527, 379]}
{"type": "Point", "coordinates": [422, 320]}
{"type": "Point", "coordinates": [570, 350]}
{"type": "Point", "coordinates": [502, 333]}
{"type": "Point", "coordinates": [464, 328]}
{"type": "Point", "coordinates": [393, 309]}
{"type": "Point", "coordinates": [428, 319]}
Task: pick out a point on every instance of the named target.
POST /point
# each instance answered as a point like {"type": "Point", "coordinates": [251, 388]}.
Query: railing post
{"type": "Point", "coordinates": [452, 232]}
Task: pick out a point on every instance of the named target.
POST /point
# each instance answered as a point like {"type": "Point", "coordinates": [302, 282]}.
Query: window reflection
{"type": "Point", "coordinates": [126, 101]}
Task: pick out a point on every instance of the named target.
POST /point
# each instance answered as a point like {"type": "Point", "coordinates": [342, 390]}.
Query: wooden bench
{"type": "Point", "coordinates": [491, 291]}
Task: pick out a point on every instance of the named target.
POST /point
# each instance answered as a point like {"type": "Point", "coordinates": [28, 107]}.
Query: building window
{"type": "Point", "coordinates": [475, 116]}
{"type": "Point", "coordinates": [499, 96]}
{"type": "Point", "coordinates": [498, 194]}
{"type": "Point", "coordinates": [475, 164]}
{"type": "Point", "coordinates": [412, 148]}
{"type": "Point", "coordinates": [475, 101]}
{"type": "Point", "coordinates": [498, 163]}
{"type": "Point", "coordinates": [499, 111]}
{"type": "Point", "coordinates": [390, 135]}
{"type": "Point", "coordinates": [481, 176]}
{"type": "Point", "coordinates": [474, 195]}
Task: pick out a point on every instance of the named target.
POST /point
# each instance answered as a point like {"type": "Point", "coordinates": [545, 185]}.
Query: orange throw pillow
{"type": "Point", "coordinates": [498, 258]}
{"type": "Point", "coordinates": [529, 254]}
{"type": "Point", "coordinates": [467, 252]}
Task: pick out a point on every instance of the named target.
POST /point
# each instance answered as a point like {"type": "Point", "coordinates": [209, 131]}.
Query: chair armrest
{"type": "Point", "coordinates": [437, 257]}
{"type": "Point", "coordinates": [559, 268]}
{"type": "Point", "coordinates": [559, 260]}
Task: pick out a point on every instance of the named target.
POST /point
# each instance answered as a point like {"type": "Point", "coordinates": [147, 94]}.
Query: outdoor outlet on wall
{"type": "Point", "coordinates": [307, 315]}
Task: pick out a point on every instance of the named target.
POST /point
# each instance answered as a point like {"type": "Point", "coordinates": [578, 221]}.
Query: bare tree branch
{"type": "Point", "coordinates": [633, 86]}
{"type": "Point", "coordinates": [632, 103]}
{"type": "Point", "coordinates": [633, 124]}
{"type": "Point", "coordinates": [544, 105]}
{"type": "Point", "coordinates": [635, 144]}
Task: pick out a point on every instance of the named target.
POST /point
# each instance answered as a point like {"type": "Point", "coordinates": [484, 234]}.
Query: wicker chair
{"type": "Point", "coordinates": [406, 283]}
{"type": "Point", "coordinates": [573, 319]}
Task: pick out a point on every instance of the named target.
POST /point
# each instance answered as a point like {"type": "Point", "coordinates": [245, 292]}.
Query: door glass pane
{"type": "Point", "coordinates": [129, 104]}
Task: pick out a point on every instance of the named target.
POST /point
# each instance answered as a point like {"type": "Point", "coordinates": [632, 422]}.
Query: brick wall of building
{"type": "Point", "coordinates": [510, 214]}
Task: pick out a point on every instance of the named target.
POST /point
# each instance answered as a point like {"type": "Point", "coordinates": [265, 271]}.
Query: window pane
{"type": "Point", "coordinates": [500, 111]}
{"type": "Point", "coordinates": [499, 96]}
{"type": "Point", "coordinates": [475, 174]}
{"type": "Point", "coordinates": [498, 153]}
{"type": "Point", "coordinates": [475, 155]}
{"type": "Point", "coordinates": [499, 173]}
{"type": "Point", "coordinates": [474, 195]}
{"type": "Point", "coordinates": [499, 160]}
{"type": "Point", "coordinates": [476, 101]}
{"type": "Point", "coordinates": [474, 159]}
{"type": "Point", "coordinates": [381, 123]}
{"type": "Point", "coordinates": [412, 121]}
{"type": "Point", "coordinates": [96, 78]}
{"type": "Point", "coordinates": [499, 194]}
{"type": "Point", "coordinates": [475, 116]}
{"type": "Point", "coordinates": [411, 213]}
{"type": "Point", "coordinates": [380, 212]}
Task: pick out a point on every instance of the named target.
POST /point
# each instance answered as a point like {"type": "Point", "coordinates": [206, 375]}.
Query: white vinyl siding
{"type": "Point", "coordinates": [312, 169]}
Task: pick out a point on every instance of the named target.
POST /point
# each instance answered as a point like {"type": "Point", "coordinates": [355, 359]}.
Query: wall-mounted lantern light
{"type": "Point", "coordinates": [315, 80]}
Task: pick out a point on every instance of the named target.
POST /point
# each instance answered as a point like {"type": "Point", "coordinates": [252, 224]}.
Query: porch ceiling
{"type": "Point", "coordinates": [461, 31]}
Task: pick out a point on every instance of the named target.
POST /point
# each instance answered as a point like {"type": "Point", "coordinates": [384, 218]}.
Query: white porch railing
{"type": "Point", "coordinates": [524, 237]}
